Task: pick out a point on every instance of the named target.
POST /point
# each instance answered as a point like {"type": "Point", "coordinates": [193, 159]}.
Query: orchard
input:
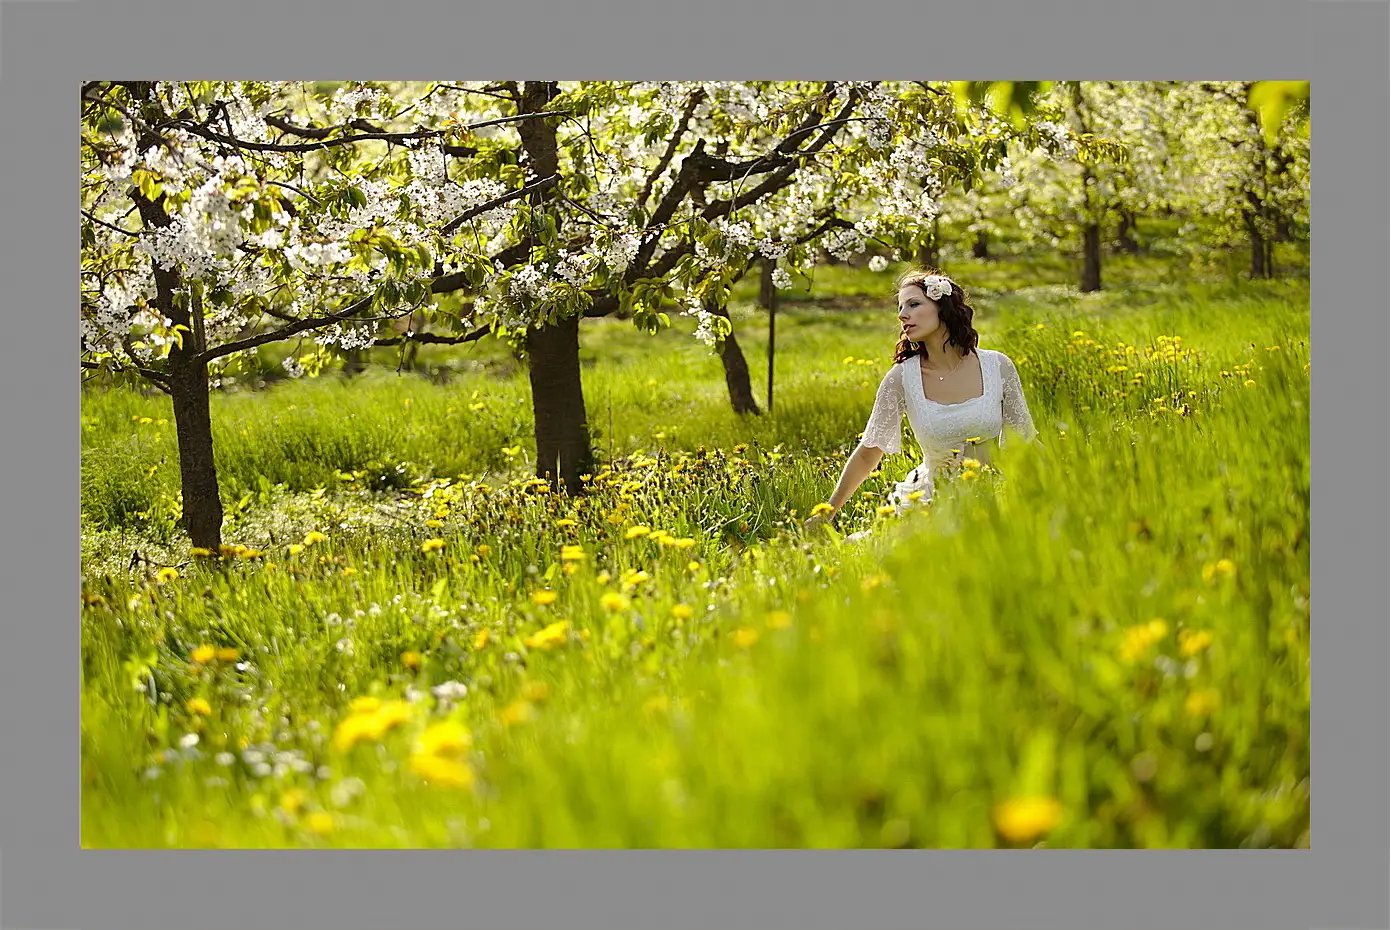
{"type": "Point", "coordinates": [432, 495]}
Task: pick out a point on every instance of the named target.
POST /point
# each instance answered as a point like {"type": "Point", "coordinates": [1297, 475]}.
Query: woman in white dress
{"type": "Point", "coordinates": [956, 396]}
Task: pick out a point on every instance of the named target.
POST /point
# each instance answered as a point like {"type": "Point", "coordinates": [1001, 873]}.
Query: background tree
{"type": "Point", "coordinates": [1241, 175]}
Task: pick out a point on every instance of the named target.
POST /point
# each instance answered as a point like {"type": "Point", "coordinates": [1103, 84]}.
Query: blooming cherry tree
{"type": "Point", "coordinates": [219, 217]}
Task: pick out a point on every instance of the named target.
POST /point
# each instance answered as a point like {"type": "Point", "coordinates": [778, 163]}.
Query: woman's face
{"type": "Point", "coordinates": [917, 313]}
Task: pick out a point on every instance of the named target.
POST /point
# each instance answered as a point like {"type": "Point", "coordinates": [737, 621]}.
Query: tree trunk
{"type": "Point", "coordinates": [202, 503]}
{"type": "Point", "coordinates": [1126, 234]}
{"type": "Point", "coordinates": [1091, 257]}
{"type": "Point", "coordinates": [767, 293]}
{"type": "Point", "coordinates": [981, 247]}
{"type": "Point", "coordinates": [563, 452]}
{"type": "Point", "coordinates": [354, 362]}
{"type": "Point", "coordinates": [1260, 249]}
{"type": "Point", "coordinates": [188, 379]}
{"type": "Point", "coordinates": [930, 252]}
{"type": "Point", "coordinates": [736, 369]}
{"type": "Point", "coordinates": [1284, 229]}
{"type": "Point", "coordinates": [772, 345]}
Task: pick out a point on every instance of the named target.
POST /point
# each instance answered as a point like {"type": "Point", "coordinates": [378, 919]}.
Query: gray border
{"type": "Point", "coordinates": [48, 883]}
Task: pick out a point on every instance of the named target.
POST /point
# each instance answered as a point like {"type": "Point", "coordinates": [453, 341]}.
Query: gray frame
{"type": "Point", "coordinates": [47, 882]}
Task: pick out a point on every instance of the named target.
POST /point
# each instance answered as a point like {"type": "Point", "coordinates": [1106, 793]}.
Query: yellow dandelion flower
{"type": "Point", "coordinates": [613, 601]}
{"type": "Point", "coordinates": [444, 739]}
{"type": "Point", "coordinates": [200, 552]}
{"type": "Point", "coordinates": [745, 637]}
{"type": "Point", "coordinates": [228, 654]}
{"type": "Point", "coordinates": [364, 705]}
{"type": "Point", "coordinates": [779, 620]}
{"type": "Point", "coordinates": [822, 508]}
{"type": "Point", "coordinates": [432, 545]}
{"type": "Point", "coordinates": [167, 575]}
{"type": "Point", "coordinates": [635, 532]}
{"type": "Point", "coordinates": [320, 822]}
{"type": "Point", "coordinates": [349, 571]}
{"type": "Point", "coordinates": [566, 521]}
{"type": "Point", "coordinates": [537, 691]}
{"type": "Point", "coordinates": [572, 553]}
{"type": "Point", "coordinates": [372, 725]}
{"type": "Point", "coordinates": [692, 566]}
{"type": "Point", "coordinates": [517, 712]}
{"type": "Point", "coordinates": [655, 704]}
{"type": "Point", "coordinates": [291, 801]}
{"type": "Point", "coordinates": [480, 639]}
{"type": "Point", "coordinates": [885, 509]}
{"type": "Point", "coordinates": [314, 536]}
{"type": "Point", "coordinates": [682, 612]}
{"type": "Point", "coordinates": [1201, 703]}
{"type": "Point", "coordinates": [295, 548]}
{"type": "Point", "coordinates": [550, 637]}
{"type": "Point", "coordinates": [1138, 639]}
{"type": "Point", "coordinates": [684, 542]}
{"type": "Point", "coordinates": [200, 707]}
{"type": "Point", "coordinates": [445, 772]}
{"type": "Point", "coordinates": [204, 654]}
{"type": "Point", "coordinates": [434, 524]}
{"type": "Point", "coordinates": [411, 660]}
{"type": "Point", "coordinates": [1193, 642]}
{"type": "Point", "coordinates": [1024, 819]}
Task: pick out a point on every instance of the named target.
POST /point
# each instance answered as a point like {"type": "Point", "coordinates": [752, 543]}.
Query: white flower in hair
{"type": "Point", "coordinates": [936, 287]}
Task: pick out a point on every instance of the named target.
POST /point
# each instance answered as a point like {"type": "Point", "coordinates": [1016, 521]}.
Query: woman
{"type": "Point", "coordinates": [956, 397]}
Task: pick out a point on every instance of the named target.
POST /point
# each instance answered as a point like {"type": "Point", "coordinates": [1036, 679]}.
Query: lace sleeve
{"type": "Point", "coordinates": [1016, 409]}
{"type": "Point", "coordinates": [885, 427]}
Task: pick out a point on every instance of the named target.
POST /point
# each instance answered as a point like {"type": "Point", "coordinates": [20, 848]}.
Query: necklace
{"type": "Point", "coordinates": [953, 368]}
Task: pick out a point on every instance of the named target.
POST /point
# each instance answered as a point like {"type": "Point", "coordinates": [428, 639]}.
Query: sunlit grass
{"type": "Point", "coordinates": [419, 646]}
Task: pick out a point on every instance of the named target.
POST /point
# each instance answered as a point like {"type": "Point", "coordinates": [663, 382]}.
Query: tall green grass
{"type": "Point", "coordinates": [1113, 637]}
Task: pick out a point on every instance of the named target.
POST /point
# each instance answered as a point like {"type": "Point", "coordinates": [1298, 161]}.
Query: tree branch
{"type": "Point", "coordinates": [497, 202]}
{"type": "Point", "coordinates": [110, 226]}
{"type": "Point", "coordinates": [672, 145]}
{"type": "Point", "coordinates": [432, 339]}
{"type": "Point", "coordinates": [159, 379]}
{"type": "Point", "coordinates": [284, 332]}
{"type": "Point", "coordinates": [398, 137]}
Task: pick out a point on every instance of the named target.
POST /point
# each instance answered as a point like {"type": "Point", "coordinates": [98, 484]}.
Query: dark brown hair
{"type": "Point", "coordinates": [952, 310]}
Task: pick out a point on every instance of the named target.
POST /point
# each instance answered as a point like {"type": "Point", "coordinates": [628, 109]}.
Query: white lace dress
{"type": "Point", "coordinates": [947, 433]}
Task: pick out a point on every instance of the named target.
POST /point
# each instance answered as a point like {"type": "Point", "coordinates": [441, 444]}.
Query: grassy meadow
{"type": "Point", "coordinates": [415, 644]}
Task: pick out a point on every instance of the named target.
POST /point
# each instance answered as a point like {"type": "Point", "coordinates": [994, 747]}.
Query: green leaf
{"type": "Point", "coordinates": [1272, 100]}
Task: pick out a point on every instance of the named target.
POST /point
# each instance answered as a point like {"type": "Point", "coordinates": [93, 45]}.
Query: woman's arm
{"type": "Point", "coordinates": [1016, 409]}
{"type": "Point", "coordinates": [858, 467]}
{"type": "Point", "coordinates": [883, 434]}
